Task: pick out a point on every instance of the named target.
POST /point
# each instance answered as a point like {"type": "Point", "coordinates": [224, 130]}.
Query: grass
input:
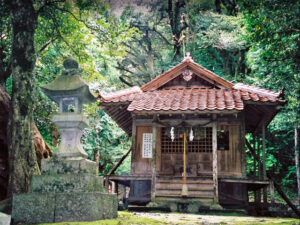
{"type": "Point", "coordinates": [127, 218]}
{"type": "Point", "coordinates": [124, 218]}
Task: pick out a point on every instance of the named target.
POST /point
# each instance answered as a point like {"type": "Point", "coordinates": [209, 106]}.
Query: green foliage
{"type": "Point", "coordinates": [258, 45]}
{"type": "Point", "coordinates": [273, 58]}
{"type": "Point", "coordinates": [105, 136]}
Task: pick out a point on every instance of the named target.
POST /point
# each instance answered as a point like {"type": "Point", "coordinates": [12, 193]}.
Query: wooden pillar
{"type": "Point", "coordinates": [153, 164]}
{"type": "Point", "coordinates": [113, 187]}
{"type": "Point", "coordinates": [265, 194]}
{"type": "Point", "coordinates": [242, 148]}
{"type": "Point", "coordinates": [254, 160]}
{"type": "Point", "coordinates": [260, 177]}
{"type": "Point", "coordinates": [255, 163]}
{"type": "Point", "coordinates": [215, 159]}
{"type": "Point", "coordinates": [107, 184]}
{"type": "Point", "coordinates": [272, 192]}
{"type": "Point", "coordinates": [133, 143]}
{"type": "Point", "coordinates": [184, 191]}
{"type": "Point", "coordinates": [117, 188]}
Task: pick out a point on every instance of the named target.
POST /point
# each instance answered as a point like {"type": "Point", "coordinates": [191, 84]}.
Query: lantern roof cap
{"type": "Point", "coordinates": [69, 84]}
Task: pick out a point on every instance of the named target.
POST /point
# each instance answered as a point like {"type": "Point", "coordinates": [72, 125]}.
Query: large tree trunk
{"type": "Point", "coordinates": [41, 148]}
{"type": "Point", "coordinates": [22, 157]}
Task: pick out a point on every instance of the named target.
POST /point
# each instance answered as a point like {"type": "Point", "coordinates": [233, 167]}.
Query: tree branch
{"type": "Point", "coordinates": [46, 45]}
{"type": "Point", "coordinates": [125, 82]}
{"type": "Point", "coordinates": [163, 37]}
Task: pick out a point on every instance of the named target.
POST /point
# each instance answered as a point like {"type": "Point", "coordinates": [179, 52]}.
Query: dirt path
{"type": "Point", "coordinates": [180, 218]}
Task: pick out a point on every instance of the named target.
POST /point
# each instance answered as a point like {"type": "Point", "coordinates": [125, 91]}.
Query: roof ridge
{"type": "Point", "coordinates": [189, 62]}
{"type": "Point", "coordinates": [120, 93]}
{"type": "Point", "coordinates": [255, 89]}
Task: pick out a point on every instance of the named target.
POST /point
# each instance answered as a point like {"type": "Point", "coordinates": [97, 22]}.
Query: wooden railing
{"type": "Point", "coordinates": [270, 175]}
{"type": "Point", "coordinates": [111, 172]}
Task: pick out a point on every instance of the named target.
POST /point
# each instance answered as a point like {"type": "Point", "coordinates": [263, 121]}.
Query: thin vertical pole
{"type": "Point", "coordinates": [153, 163]}
{"type": "Point", "coordinates": [272, 192]}
{"type": "Point", "coordinates": [254, 160]}
{"type": "Point", "coordinates": [184, 191]}
{"type": "Point", "coordinates": [259, 167]}
{"type": "Point", "coordinates": [133, 144]}
{"type": "Point", "coordinates": [184, 159]}
{"type": "Point", "coordinates": [256, 195]}
{"type": "Point", "coordinates": [242, 149]}
{"type": "Point", "coordinates": [215, 160]}
{"type": "Point", "coordinates": [264, 161]}
{"type": "Point", "coordinates": [264, 151]}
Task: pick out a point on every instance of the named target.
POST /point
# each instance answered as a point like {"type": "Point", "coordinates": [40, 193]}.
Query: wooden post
{"type": "Point", "coordinates": [242, 148]}
{"type": "Point", "coordinates": [254, 160]}
{"type": "Point", "coordinates": [256, 195]}
{"type": "Point", "coordinates": [265, 194]}
{"type": "Point", "coordinates": [184, 158]}
{"type": "Point", "coordinates": [133, 146]}
{"type": "Point", "coordinates": [272, 192]}
{"type": "Point", "coordinates": [260, 177]}
{"type": "Point", "coordinates": [113, 187]}
{"type": "Point", "coordinates": [119, 163]}
{"type": "Point", "coordinates": [117, 188]}
{"type": "Point", "coordinates": [153, 164]}
{"type": "Point", "coordinates": [184, 191]}
{"type": "Point", "coordinates": [215, 159]}
{"type": "Point", "coordinates": [280, 192]}
{"type": "Point", "coordinates": [107, 184]}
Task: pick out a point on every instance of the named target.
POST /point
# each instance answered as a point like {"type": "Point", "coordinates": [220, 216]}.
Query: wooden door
{"type": "Point", "coordinates": [141, 165]}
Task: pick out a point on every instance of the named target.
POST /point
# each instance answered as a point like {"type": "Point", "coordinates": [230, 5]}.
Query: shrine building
{"type": "Point", "coordinates": [188, 129]}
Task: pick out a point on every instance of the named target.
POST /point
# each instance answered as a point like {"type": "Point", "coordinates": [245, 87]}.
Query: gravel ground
{"type": "Point", "coordinates": [181, 218]}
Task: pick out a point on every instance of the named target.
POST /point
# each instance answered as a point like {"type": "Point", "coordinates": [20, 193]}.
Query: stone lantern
{"type": "Point", "coordinates": [69, 188]}
{"type": "Point", "coordinates": [69, 91]}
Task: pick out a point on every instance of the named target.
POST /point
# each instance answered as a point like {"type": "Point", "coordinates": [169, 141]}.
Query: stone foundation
{"type": "Point", "coordinates": [59, 207]}
{"type": "Point", "coordinates": [67, 190]}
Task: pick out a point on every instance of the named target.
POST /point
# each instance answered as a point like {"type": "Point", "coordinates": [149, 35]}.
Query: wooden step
{"type": "Point", "coordinates": [206, 181]}
{"type": "Point", "coordinates": [166, 198]}
{"type": "Point", "coordinates": [171, 186]}
{"type": "Point", "coordinates": [191, 193]}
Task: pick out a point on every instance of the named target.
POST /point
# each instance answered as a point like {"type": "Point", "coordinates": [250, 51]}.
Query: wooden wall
{"type": "Point", "coordinates": [229, 162]}
{"type": "Point", "coordinates": [142, 165]}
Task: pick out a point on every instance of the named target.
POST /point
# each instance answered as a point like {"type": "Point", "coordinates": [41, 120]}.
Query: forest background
{"type": "Point", "coordinates": [119, 44]}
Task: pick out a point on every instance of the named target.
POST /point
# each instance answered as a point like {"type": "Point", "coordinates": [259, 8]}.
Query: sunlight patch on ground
{"type": "Point", "coordinates": [126, 218]}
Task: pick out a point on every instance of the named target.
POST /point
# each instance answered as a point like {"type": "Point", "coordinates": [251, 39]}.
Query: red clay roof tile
{"type": "Point", "coordinates": [189, 98]}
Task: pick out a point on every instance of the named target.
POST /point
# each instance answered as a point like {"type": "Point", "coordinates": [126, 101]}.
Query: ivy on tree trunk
{"type": "Point", "coordinates": [22, 157]}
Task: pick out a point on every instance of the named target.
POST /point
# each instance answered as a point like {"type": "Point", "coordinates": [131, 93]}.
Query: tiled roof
{"type": "Point", "coordinates": [257, 90]}
{"type": "Point", "coordinates": [125, 95]}
{"type": "Point", "coordinates": [191, 98]}
{"type": "Point", "coordinates": [187, 99]}
{"type": "Point", "coordinates": [153, 96]}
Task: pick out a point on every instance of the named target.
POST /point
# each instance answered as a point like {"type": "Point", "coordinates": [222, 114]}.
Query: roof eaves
{"type": "Point", "coordinates": [118, 94]}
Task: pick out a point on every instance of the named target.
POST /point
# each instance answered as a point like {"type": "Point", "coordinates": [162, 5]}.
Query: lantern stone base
{"type": "Point", "coordinates": [70, 166]}
{"type": "Point", "coordinates": [68, 190]}
{"type": "Point", "coordinates": [59, 207]}
{"type": "Point", "coordinates": [66, 183]}
{"type": "Point", "coordinates": [4, 219]}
